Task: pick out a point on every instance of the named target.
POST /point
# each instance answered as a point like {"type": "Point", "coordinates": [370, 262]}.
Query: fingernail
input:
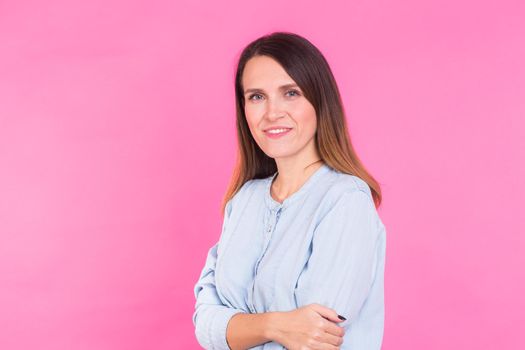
{"type": "Point", "coordinates": [341, 317]}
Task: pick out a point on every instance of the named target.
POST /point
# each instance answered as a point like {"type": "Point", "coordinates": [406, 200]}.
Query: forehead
{"type": "Point", "coordinates": [264, 72]}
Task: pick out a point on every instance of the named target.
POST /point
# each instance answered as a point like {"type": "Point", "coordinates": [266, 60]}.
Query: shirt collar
{"type": "Point", "coordinates": [275, 205]}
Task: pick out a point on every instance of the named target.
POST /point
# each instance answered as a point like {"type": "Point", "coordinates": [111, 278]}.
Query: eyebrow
{"type": "Point", "coordinates": [282, 87]}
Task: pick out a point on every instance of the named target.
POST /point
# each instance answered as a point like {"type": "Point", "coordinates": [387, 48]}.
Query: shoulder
{"type": "Point", "coordinates": [346, 183]}
{"type": "Point", "coordinates": [348, 214]}
{"type": "Point", "coordinates": [249, 189]}
{"type": "Point", "coordinates": [346, 187]}
{"type": "Point", "coordinates": [347, 194]}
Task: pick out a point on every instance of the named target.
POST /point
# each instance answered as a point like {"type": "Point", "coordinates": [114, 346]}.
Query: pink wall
{"type": "Point", "coordinates": [117, 140]}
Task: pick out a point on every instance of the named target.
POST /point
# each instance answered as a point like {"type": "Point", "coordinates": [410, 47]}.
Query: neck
{"type": "Point", "coordinates": [290, 179]}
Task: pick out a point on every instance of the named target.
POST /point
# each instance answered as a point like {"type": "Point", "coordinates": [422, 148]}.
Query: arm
{"type": "Point", "coordinates": [249, 330]}
{"type": "Point", "coordinates": [221, 327]}
{"type": "Point", "coordinates": [212, 318]}
{"type": "Point", "coordinates": [341, 267]}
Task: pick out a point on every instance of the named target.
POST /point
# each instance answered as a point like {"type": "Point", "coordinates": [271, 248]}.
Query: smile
{"type": "Point", "coordinates": [276, 133]}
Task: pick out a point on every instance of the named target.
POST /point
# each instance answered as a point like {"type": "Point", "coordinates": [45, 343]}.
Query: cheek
{"type": "Point", "coordinates": [251, 112]}
{"type": "Point", "coordinates": [307, 120]}
{"type": "Point", "coordinates": [251, 119]}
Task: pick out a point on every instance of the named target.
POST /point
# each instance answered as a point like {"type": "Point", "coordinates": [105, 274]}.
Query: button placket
{"type": "Point", "coordinates": [267, 238]}
{"type": "Point", "coordinates": [272, 222]}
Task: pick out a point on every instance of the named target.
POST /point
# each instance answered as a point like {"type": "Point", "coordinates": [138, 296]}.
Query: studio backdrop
{"type": "Point", "coordinates": [117, 142]}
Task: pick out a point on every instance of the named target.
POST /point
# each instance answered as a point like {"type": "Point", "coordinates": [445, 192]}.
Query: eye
{"type": "Point", "coordinates": [252, 95]}
{"type": "Point", "coordinates": [295, 92]}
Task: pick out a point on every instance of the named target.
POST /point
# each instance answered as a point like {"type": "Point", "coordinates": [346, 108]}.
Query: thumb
{"type": "Point", "coordinates": [329, 313]}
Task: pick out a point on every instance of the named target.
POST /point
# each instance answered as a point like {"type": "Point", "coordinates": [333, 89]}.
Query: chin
{"type": "Point", "coordinates": [279, 154]}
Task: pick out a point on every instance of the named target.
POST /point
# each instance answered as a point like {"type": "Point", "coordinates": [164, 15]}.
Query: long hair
{"type": "Point", "coordinates": [306, 65]}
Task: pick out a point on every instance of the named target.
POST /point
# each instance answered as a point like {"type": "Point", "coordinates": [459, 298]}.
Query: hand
{"type": "Point", "coordinates": [310, 327]}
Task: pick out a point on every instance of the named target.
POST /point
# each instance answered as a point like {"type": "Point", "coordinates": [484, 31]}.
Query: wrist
{"type": "Point", "coordinates": [272, 325]}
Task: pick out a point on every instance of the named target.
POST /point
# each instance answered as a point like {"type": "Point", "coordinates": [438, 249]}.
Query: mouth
{"type": "Point", "coordinates": [277, 133]}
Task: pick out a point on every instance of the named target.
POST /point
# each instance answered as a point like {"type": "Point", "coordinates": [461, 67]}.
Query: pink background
{"type": "Point", "coordinates": [117, 141]}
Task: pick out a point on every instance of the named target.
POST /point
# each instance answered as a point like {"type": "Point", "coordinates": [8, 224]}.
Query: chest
{"type": "Point", "coordinates": [262, 255]}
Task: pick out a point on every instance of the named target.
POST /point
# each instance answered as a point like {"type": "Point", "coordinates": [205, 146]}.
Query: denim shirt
{"type": "Point", "coordinates": [323, 244]}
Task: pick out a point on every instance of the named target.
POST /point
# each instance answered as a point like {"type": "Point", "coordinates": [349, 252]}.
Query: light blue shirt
{"type": "Point", "coordinates": [323, 244]}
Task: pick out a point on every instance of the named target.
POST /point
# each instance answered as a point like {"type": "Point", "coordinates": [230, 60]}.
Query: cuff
{"type": "Point", "coordinates": [218, 329]}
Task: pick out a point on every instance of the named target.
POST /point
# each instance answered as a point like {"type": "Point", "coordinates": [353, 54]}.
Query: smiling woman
{"type": "Point", "coordinates": [280, 111]}
{"type": "Point", "coordinates": [301, 257]}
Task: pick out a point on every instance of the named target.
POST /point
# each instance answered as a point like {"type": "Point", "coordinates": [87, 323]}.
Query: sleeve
{"type": "Point", "coordinates": [211, 316]}
{"type": "Point", "coordinates": [341, 268]}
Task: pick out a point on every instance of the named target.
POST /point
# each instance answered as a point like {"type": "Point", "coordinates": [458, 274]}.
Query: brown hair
{"type": "Point", "coordinates": [305, 64]}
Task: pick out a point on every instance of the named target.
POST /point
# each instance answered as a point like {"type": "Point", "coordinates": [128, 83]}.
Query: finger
{"type": "Point", "coordinates": [332, 339]}
{"type": "Point", "coordinates": [327, 312]}
{"type": "Point", "coordinates": [334, 329]}
{"type": "Point", "coordinates": [326, 346]}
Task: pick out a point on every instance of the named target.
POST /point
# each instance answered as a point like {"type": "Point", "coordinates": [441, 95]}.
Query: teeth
{"type": "Point", "coordinates": [277, 131]}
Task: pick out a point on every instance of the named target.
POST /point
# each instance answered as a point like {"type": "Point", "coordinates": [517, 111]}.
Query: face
{"type": "Point", "coordinates": [273, 100]}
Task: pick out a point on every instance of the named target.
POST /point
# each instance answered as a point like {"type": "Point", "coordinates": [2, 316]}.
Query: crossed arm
{"type": "Point", "coordinates": [339, 274]}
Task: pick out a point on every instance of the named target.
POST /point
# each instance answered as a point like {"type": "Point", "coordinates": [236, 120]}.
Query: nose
{"type": "Point", "coordinates": [274, 110]}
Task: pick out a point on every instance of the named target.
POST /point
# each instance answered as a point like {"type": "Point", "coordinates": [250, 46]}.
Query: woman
{"type": "Point", "coordinates": [300, 260]}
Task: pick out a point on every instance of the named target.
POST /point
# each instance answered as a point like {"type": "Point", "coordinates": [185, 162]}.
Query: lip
{"type": "Point", "coordinates": [279, 135]}
{"type": "Point", "coordinates": [277, 127]}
